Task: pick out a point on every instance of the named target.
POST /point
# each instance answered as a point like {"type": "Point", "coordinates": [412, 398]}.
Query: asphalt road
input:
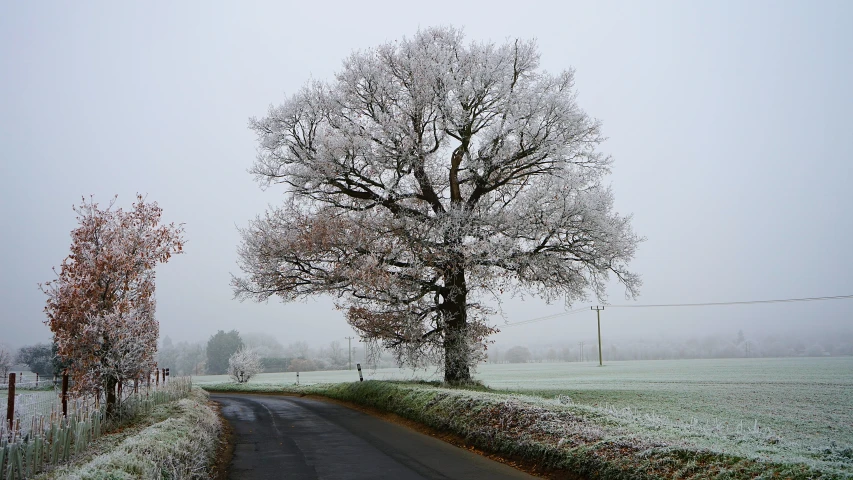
{"type": "Point", "coordinates": [301, 438]}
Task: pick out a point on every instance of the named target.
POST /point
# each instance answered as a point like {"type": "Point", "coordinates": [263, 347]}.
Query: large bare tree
{"type": "Point", "coordinates": [433, 174]}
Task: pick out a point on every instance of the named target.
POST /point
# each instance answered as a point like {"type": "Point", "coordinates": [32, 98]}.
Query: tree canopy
{"type": "Point", "coordinates": [428, 177]}
{"type": "Point", "coordinates": [38, 358]}
{"type": "Point", "coordinates": [220, 347]}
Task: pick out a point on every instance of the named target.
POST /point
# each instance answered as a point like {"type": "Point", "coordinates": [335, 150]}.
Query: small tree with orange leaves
{"type": "Point", "coordinates": [100, 307]}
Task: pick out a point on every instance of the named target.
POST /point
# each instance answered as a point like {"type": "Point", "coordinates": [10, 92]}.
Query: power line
{"type": "Point", "coordinates": [547, 317]}
{"type": "Point", "coordinates": [707, 304]}
{"type": "Point", "coordinates": [748, 302]}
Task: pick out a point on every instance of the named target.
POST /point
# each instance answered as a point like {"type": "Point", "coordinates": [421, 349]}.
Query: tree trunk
{"type": "Point", "coordinates": [110, 390]}
{"type": "Point", "coordinates": [456, 349]}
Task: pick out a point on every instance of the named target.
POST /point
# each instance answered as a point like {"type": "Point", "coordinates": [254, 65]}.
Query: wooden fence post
{"type": "Point", "coordinates": [65, 394]}
{"type": "Point", "coordinates": [10, 407]}
{"type": "Point", "coordinates": [157, 376]}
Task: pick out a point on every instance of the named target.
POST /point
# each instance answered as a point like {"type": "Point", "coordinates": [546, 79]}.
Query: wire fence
{"type": "Point", "coordinates": [46, 426]}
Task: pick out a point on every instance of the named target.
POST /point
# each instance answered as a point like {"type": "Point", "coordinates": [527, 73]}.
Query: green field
{"type": "Point", "coordinates": [785, 409]}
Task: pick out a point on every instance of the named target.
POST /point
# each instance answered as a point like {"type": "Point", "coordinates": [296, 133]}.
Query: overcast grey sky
{"type": "Point", "coordinates": [730, 124]}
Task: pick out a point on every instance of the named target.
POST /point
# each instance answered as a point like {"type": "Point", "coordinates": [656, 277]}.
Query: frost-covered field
{"type": "Point", "coordinates": [30, 402]}
{"type": "Point", "coordinates": [800, 400]}
{"type": "Point", "coordinates": [787, 409]}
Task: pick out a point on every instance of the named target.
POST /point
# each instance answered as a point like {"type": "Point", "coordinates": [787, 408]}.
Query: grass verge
{"type": "Point", "coordinates": [561, 440]}
{"type": "Point", "coordinates": [178, 440]}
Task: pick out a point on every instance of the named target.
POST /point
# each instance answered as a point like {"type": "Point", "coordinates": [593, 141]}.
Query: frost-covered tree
{"type": "Point", "coordinates": [5, 363]}
{"type": "Point", "coordinates": [243, 365]}
{"type": "Point", "coordinates": [336, 355]}
{"type": "Point", "coordinates": [302, 365]}
{"type": "Point", "coordinates": [265, 344]}
{"type": "Point", "coordinates": [38, 358]}
{"type": "Point", "coordinates": [429, 176]}
{"type": "Point", "coordinates": [183, 358]}
{"type": "Point", "coordinates": [299, 349]}
{"type": "Point", "coordinates": [101, 306]}
{"type": "Point", "coordinates": [518, 354]}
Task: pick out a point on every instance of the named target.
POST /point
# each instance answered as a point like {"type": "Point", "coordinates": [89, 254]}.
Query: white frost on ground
{"type": "Point", "coordinates": [179, 447]}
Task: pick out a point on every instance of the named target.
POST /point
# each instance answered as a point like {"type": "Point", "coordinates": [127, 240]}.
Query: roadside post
{"type": "Point", "coordinates": [598, 314]}
{"type": "Point", "coordinates": [65, 395]}
{"type": "Point", "coordinates": [10, 407]}
{"type": "Point", "coordinates": [360, 378]}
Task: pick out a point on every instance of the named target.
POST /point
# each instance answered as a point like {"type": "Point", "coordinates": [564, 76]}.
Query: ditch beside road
{"type": "Point", "coordinates": [304, 438]}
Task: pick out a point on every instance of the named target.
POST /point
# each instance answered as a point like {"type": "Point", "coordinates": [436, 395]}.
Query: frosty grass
{"type": "Point", "coordinates": [180, 443]}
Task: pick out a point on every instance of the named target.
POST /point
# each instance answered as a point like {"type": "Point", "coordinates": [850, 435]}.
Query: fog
{"type": "Point", "coordinates": [729, 123]}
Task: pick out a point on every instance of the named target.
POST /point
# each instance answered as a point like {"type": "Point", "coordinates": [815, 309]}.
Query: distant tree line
{"type": "Point", "coordinates": [212, 357]}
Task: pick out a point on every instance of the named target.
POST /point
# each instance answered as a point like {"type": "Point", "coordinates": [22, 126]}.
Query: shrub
{"type": "Point", "coordinates": [243, 365]}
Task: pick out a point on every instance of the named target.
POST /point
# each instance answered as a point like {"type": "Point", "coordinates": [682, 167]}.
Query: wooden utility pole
{"type": "Point", "coordinates": [349, 343]}
{"type": "Point", "coordinates": [598, 313]}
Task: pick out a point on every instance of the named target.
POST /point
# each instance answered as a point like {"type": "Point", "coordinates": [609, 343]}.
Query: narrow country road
{"type": "Point", "coordinates": [301, 438]}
